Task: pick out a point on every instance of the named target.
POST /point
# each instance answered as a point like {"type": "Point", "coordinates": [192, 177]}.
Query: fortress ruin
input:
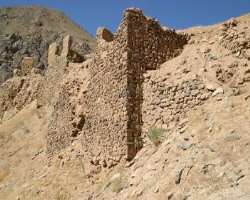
{"type": "Point", "coordinates": [113, 102]}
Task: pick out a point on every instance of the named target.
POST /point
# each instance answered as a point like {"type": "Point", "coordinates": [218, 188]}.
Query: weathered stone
{"type": "Point", "coordinates": [218, 91]}
{"type": "Point", "coordinates": [26, 65]}
{"type": "Point", "coordinates": [104, 34]}
{"type": "Point", "coordinates": [178, 176]}
{"type": "Point", "coordinates": [210, 87]}
{"type": "Point", "coordinates": [185, 145]}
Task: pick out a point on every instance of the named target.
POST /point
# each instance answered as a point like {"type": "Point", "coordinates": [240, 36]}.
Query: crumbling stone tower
{"type": "Point", "coordinates": [113, 124]}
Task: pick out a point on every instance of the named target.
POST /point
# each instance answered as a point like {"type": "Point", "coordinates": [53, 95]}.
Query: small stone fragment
{"type": "Point", "coordinates": [178, 176]}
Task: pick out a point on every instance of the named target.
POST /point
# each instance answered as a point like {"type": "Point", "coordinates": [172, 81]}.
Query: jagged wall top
{"type": "Point", "coordinates": [113, 101]}
{"type": "Point", "coordinates": [154, 43]}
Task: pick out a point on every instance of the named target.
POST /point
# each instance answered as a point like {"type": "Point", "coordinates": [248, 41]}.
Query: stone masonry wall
{"type": "Point", "coordinates": [150, 44]}
{"type": "Point", "coordinates": [114, 99]}
{"type": "Point", "coordinates": [111, 119]}
{"type": "Point", "coordinates": [167, 103]}
{"type": "Point", "coordinates": [64, 123]}
{"type": "Point", "coordinates": [58, 128]}
{"type": "Point", "coordinates": [105, 130]}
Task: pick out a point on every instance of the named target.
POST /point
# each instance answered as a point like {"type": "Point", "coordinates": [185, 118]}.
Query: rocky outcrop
{"type": "Point", "coordinates": [28, 32]}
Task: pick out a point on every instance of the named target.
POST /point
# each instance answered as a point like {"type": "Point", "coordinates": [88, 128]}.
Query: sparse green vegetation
{"type": "Point", "coordinates": [156, 135]}
{"type": "Point", "coordinates": [115, 181]}
{"type": "Point", "coordinates": [117, 185]}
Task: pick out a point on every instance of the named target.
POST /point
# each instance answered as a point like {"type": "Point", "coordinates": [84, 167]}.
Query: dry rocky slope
{"type": "Point", "coordinates": [193, 107]}
{"type": "Point", "coordinates": [28, 32]}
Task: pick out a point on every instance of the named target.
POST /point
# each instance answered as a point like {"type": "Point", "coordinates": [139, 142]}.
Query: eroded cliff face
{"type": "Point", "coordinates": [152, 114]}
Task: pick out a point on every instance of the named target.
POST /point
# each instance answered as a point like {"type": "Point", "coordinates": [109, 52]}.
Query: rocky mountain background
{"type": "Point", "coordinates": [203, 156]}
{"type": "Point", "coordinates": [28, 31]}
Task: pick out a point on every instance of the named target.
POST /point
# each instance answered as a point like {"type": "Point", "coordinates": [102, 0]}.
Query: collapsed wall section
{"type": "Point", "coordinates": [58, 128]}
{"type": "Point", "coordinates": [60, 93]}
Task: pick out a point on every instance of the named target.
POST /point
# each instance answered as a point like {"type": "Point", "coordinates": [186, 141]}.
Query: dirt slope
{"type": "Point", "coordinates": [203, 156]}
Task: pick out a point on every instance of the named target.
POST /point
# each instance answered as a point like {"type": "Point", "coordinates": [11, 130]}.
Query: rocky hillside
{"type": "Point", "coordinates": [28, 31]}
{"type": "Point", "coordinates": [196, 127]}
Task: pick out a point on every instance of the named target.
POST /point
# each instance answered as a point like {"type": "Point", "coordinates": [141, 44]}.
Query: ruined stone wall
{"type": "Point", "coordinates": [151, 44]}
{"type": "Point", "coordinates": [166, 102]}
{"type": "Point", "coordinates": [67, 118]}
{"type": "Point", "coordinates": [114, 100]}
{"type": "Point", "coordinates": [59, 92]}
{"type": "Point", "coordinates": [157, 102]}
{"type": "Point", "coordinates": [111, 118]}
{"type": "Point", "coordinates": [105, 131]}
{"type": "Point", "coordinates": [57, 64]}
{"type": "Point", "coordinates": [58, 128]}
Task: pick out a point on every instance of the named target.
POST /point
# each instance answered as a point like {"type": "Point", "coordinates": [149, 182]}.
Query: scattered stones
{"type": "Point", "coordinates": [185, 145]}
{"type": "Point", "coordinates": [225, 75]}
{"type": "Point", "coordinates": [231, 40]}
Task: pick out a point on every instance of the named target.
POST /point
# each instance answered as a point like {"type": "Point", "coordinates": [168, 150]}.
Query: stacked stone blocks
{"type": "Point", "coordinates": [113, 102]}
{"type": "Point", "coordinates": [115, 94]}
